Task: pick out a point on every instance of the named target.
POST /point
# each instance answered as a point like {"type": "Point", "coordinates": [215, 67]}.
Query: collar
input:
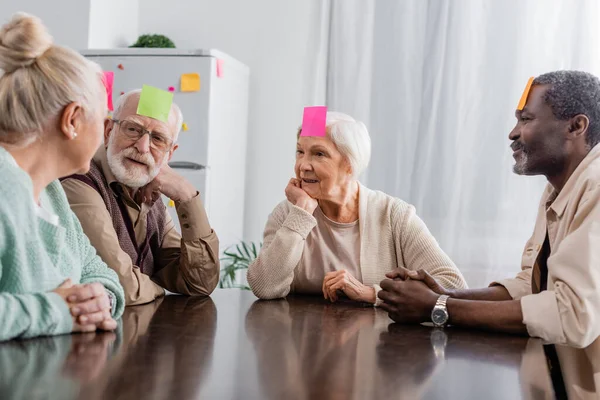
{"type": "Point", "coordinates": [559, 200]}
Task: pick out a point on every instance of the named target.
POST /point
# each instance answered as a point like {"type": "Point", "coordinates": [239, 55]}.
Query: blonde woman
{"type": "Point", "coordinates": [333, 235]}
{"type": "Point", "coordinates": [52, 108]}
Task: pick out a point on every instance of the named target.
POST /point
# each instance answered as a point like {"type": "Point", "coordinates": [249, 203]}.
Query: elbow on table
{"type": "Point", "coordinates": [262, 290]}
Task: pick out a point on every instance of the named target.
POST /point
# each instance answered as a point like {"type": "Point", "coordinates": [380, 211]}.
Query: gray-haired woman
{"type": "Point", "coordinates": [333, 234]}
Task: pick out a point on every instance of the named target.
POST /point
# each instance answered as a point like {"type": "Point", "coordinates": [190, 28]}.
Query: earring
{"type": "Point", "coordinates": [74, 135]}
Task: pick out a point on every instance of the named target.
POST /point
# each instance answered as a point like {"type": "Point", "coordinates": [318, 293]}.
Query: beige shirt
{"type": "Point", "coordinates": [568, 313]}
{"type": "Point", "coordinates": [187, 263]}
{"type": "Point", "coordinates": [335, 246]}
{"type": "Point", "coordinates": [391, 235]}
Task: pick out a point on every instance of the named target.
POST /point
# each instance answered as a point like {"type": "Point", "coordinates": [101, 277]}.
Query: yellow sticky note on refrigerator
{"type": "Point", "coordinates": [171, 203]}
{"type": "Point", "coordinates": [523, 100]}
{"type": "Point", "coordinates": [190, 82]}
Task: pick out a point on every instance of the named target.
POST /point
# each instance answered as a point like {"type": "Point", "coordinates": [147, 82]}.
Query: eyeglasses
{"type": "Point", "coordinates": [132, 131]}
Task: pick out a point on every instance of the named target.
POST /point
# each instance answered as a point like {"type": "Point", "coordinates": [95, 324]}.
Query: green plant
{"type": "Point", "coordinates": [160, 41]}
{"type": "Point", "coordinates": [237, 258]}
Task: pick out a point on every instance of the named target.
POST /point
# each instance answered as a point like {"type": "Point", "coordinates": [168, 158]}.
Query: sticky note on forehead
{"type": "Point", "coordinates": [108, 79]}
{"type": "Point", "coordinates": [155, 103]}
{"type": "Point", "coordinates": [313, 121]}
{"type": "Point", "coordinates": [523, 100]}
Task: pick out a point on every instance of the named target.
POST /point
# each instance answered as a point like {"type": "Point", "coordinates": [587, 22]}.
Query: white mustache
{"type": "Point", "coordinates": [135, 155]}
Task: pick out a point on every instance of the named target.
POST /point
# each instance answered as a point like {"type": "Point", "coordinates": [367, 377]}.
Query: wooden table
{"type": "Point", "coordinates": [231, 346]}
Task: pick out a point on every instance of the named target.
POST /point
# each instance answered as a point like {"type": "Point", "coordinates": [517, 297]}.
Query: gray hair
{"type": "Point", "coordinates": [120, 104]}
{"type": "Point", "coordinates": [38, 79]}
{"type": "Point", "coordinates": [352, 139]}
{"type": "Point", "coordinates": [572, 93]}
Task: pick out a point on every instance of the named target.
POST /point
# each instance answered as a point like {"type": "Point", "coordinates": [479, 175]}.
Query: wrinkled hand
{"type": "Point", "coordinates": [298, 197]}
{"type": "Point", "coordinates": [88, 355]}
{"type": "Point", "coordinates": [352, 287]}
{"type": "Point", "coordinates": [89, 305]}
{"type": "Point", "coordinates": [169, 183]}
{"type": "Point", "coordinates": [407, 301]}
{"type": "Point", "coordinates": [402, 273]}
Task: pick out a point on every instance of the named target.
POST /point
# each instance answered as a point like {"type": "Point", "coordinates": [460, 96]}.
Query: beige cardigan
{"type": "Point", "coordinates": [391, 235]}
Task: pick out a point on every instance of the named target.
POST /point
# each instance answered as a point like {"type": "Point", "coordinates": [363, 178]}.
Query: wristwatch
{"type": "Point", "coordinates": [439, 314]}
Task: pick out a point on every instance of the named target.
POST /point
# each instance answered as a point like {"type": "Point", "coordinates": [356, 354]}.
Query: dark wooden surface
{"type": "Point", "coordinates": [231, 346]}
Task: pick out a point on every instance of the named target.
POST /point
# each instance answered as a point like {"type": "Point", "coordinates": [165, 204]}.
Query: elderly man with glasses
{"type": "Point", "coordinates": [118, 204]}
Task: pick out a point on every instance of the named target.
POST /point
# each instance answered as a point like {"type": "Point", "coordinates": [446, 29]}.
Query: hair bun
{"type": "Point", "coordinates": [22, 41]}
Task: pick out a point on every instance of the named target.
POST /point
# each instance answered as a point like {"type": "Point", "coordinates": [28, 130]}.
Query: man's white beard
{"type": "Point", "coordinates": [135, 177]}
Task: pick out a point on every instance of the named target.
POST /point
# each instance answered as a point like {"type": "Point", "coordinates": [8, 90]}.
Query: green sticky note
{"type": "Point", "coordinates": [155, 103]}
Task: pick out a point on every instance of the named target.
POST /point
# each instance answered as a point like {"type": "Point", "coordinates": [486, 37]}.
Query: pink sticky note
{"type": "Point", "coordinates": [109, 79]}
{"type": "Point", "coordinates": [171, 89]}
{"type": "Point", "coordinates": [313, 121]}
{"type": "Point", "coordinates": [219, 68]}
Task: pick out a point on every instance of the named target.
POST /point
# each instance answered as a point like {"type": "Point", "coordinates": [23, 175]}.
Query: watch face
{"type": "Point", "coordinates": [439, 316]}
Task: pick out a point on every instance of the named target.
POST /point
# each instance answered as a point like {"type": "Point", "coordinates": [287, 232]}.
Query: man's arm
{"type": "Point", "coordinates": [189, 263]}
{"type": "Point", "coordinates": [497, 291]}
{"type": "Point", "coordinates": [503, 316]}
{"type": "Point", "coordinates": [96, 222]}
{"type": "Point", "coordinates": [492, 293]}
{"type": "Point", "coordinates": [411, 296]}
{"type": "Point", "coordinates": [568, 313]}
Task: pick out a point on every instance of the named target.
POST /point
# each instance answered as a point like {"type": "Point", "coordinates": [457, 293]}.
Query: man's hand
{"type": "Point", "coordinates": [407, 301]}
{"type": "Point", "coordinates": [298, 197]}
{"type": "Point", "coordinates": [352, 287]}
{"type": "Point", "coordinates": [169, 183]}
{"type": "Point", "coordinates": [402, 273]}
{"type": "Point", "coordinates": [89, 305]}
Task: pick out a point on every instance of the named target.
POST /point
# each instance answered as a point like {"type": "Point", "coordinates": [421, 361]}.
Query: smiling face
{"type": "Point", "coordinates": [322, 169]}
{"type": "Point", "coordinates": [539, 137]}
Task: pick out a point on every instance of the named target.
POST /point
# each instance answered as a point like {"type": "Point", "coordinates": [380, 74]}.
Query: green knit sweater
{"type": "Point", "coordinates": [36, 256]}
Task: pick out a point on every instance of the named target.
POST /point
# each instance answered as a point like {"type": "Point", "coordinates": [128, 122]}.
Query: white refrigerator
{"type": "Point", "coordinates": [212, 151]}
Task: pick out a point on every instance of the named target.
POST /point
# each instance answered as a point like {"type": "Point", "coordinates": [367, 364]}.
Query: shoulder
{"type": "Point", "coordinates": [79, 192]}
{"type": "Point", "coordinates": [14, 182]}
{"type": "Point", "coordinates": [56, 194]}
{"type": "Point", "coordinates": [16, 195]}
{"type": "Point", "coordinates": [383, 203]}
{"type": "Point", "coordinates": [590, 177]}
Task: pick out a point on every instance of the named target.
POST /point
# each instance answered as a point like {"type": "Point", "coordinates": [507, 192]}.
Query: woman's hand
{"type": "Point", "coordinates": [352, 287]}
{"type": "Point", "coordinates": [89, 305]}
{"type": "Point", "coordinates": [298, 197]}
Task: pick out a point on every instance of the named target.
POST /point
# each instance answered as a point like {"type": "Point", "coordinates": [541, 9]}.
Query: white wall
{"type": "Point", "coordinates": [276, 40]}
{"type": "Point", "coordinates": [82, 24]}
{"type": "Point", "coordinates": [67, 20]}
{"type": "Point", "coordinates": [113, 23]}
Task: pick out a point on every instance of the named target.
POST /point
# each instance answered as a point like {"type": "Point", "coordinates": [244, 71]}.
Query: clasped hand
{"type": "Point", "coordinates": [89, 305]}
{"type": "Point", "coordinates": [409, 296]}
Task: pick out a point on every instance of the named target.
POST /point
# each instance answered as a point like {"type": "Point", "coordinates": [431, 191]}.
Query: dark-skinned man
{"type": "Point", "coordinates": [556, 296]}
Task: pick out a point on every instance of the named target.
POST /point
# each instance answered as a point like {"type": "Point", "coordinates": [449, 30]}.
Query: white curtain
{"type": "Point", "coordinates": [437, 82]}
